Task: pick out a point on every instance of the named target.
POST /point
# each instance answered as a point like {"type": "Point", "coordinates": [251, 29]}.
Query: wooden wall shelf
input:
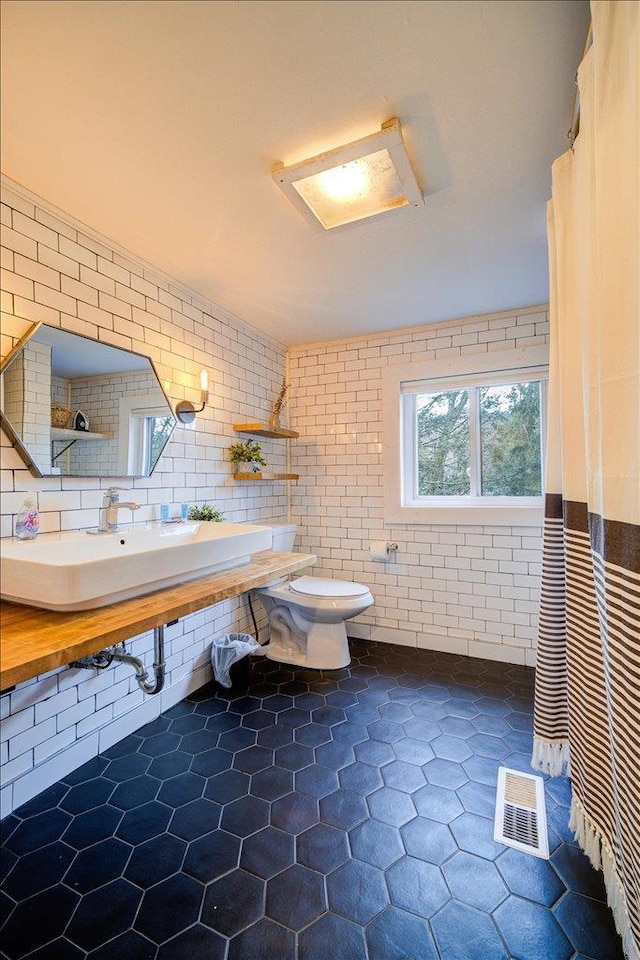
{"type": "Point", "coordinates": [266, 476]}
{"type": "Point", "coordinates": [262, 430]}
{"type": "Point", "coordinates": [62, 433]}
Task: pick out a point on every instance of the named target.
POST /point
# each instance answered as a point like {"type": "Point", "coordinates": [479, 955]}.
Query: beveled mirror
{"type": "Point", "coordinates": [76, 407]}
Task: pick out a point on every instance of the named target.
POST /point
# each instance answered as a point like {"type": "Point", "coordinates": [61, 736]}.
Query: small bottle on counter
{"type": "Point", "coordinates": [184, 511]}
{"type": "Point", "coordinates": [27, 520]}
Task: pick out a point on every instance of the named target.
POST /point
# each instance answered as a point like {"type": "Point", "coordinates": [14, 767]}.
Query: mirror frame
{"type": "Point", "coordinates": [16, 440]}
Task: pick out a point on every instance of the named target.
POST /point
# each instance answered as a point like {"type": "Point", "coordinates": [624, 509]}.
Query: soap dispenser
{"type": "Point", "coordinates": [27, 520]}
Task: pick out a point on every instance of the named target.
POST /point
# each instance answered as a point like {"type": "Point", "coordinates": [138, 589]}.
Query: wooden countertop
{"type": "Point", "coordinates": [35, 641]}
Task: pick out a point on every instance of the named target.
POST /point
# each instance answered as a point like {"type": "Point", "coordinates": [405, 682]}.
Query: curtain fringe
{"type": "Point", "coordinates": [601, 856]}
{"type": "Point", "coordinates": [552, 757]}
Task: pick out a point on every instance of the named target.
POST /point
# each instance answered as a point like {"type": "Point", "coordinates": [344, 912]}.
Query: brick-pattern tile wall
{"type": "Point", "coordinates": [470, 590]}
{"type": "Point", "coordinates": [58, 271]}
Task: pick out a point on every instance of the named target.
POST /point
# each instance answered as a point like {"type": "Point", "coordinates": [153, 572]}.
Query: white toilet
{"type": "Point", "coordinates": [307, 616]}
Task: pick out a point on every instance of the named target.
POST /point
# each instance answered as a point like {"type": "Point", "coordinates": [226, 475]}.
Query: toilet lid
{"type": "Point", "coordinates": [324, 587]}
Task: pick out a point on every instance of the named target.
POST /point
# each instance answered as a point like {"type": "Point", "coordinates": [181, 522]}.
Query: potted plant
{"type": "Point", "coordinates": [247, 457]}
{"type": "Point", "coordinates": [206, 512]}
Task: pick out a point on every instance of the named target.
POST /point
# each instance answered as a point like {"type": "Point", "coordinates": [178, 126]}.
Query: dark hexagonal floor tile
{"type": "Point", "coordinates": [478, 798]}
{"type": "Point", "coordinates": [144, 822]}
{"type": "Point", "coordinates": [46, 800]}
{"type": "Point", "coordinates": [375, 752]}
{"type": "Point", "coordinates": [398, 935]}
{"type": "Point", "coordinates": [484, 745]}
{"type": "Point", "coordinates": [133, 793]}
{"type": "Point", "coordinates": [444, 773]}
{"type": "Point", "coordinates": [462, 931]}
{"type": "Point", "coordinates": [38, 870]}
{"type": "Point", "coordinates": [268, 852]}
{"type": "Point", "coordinates": [180, 790]}
{"type": "Point", "coordinates": [349, 732]}
{"type": "Point", "coordinates": [170, 765]}
{"type": "Point", "coordinates": [261, 941]}
{"type": "Point", "coordinates": [482, 770]}
{"type": "Point", "coordinates": [223, 721]}
{"type": "Point", "coordinates": [421, 728]}
{"type": "Point", "coordinates": [258, 720]}
{"type": "Point", "coordinates": [294, 813]}
{"type": "Point", "coordinates": [237, 739]}
{"type": "Point", "coordinates": [357, 891]}
{"type": "Point", "coordinates": [391, 806]}
{"type": "Point", "coordinates": [126, 768]}
{"type": "Point", "coordinates": [197, 941]}
{"type": "Point", "coordinates": [294, 756]}
{"type": "Point", "coordinates": [475, 881]}
{"type": "Point", "coordinates": [457, 727]}
{"type": "Point", "coordinates": [316, 781]}
{"type": "Point", "coordinates": [376, 843]}
{"type": "Point", "coordinates": [334, 755]}
{"type": "Point", "coordinates": [346, 939]}
{"type": "Point", "coordinates": [194, 819]}
{"type": "Point", "coordinates": [437, 803]}
{"type": "Point", "coordinates": [276, 703]}
{"type": "Point", "coordinates": [98, 865]}
{"type": "Point", "coordinates": [361, 778]}
{"type": "Point", "coordinates": [328, 715]}
{"type": "Point", "coordinates": [169, 908]}
{"type": "Point", "coordinates": [450, 748]}
{"type": "Point", "coordinates": [104, 914]}
{"type": "Point", "coordinates": [323, 848]}
{"type": "Point", "coordinates": [343, 809]}
{"type": "Point", "coordinates": [313, 734]}
{"type": "Point", "coordinates": [129, 944]}
{"type": "Point", "coordinates": [233, 903]}
{"type": "Point", "coordinates": [530, 931]}
{"type": "Point", "coordinates": [398, 712]}
{"type": "Point", "coordinates": [39, 831]}
{"type": "Point", "coordinates": [188, 724]}
{"type": "Point", "coordinates": [87, 796]}
{"type": "Point", "coordinates": [88, 828]}
{"type": "Point", "coordinates": [578, 875]}
{"type": "Point", "coordinates": [589, 925]}
{"type": "Point", "coordinates": [227, 786]}
{"type": "Point", "coordinates": [210, 762]}
{"type": "Point", "coordinates": [417, 887]}
{"type": "Point", "coordinates": [245, 816]}
{"type": "Point", "coordinates": [386, 730]}
{"type": "Point", "coordinates": [160, 744]}
{"type": "Point", "coordinates": [244, 705]}
{"type": "Point", "coordinates": [531, 877]}
{"type": "Point", "coordinates": [272, 783]}
{"type": "Point", "coordinates": [475, 835]}
{"type": "Point", "coordinates": [155, 860]}
{"type": "Point", "coordinates": [428, 840]}
{"type": "Point", "coordinates": [488, 723]}
{"type": "Point", "coordinates": [403, 776]}
{"type": "Point", "coordinates": [211, 856]}
{"type": "Point", "coordinates": [38, 920]}
{"type": "Point", "coordinates": [413, 751]}
{"type": "Point", "coordinates": [92, 768]}
{"type": "Point", "coordinates": [274, 737]}
{"type": "Point", "coordinates": [293, 717]}
{"type": "Point", "coordinates": [295, 897]}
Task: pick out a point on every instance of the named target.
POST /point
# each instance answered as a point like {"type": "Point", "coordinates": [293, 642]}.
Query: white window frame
{"type": "Point", "coordinates": [405, 380]}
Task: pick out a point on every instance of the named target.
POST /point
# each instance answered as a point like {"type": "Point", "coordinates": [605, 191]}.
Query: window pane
{"type": "Point", "coordinates": [442, 431]}
{"type": "Point", "coordinates": [510, 440]}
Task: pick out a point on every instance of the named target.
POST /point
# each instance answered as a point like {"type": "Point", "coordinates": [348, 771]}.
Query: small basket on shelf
{"type": "Point", "coordinates": [59, 415]}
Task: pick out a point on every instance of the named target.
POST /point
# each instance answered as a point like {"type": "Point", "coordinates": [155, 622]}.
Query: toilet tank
{"type": "Point", "coordinates": [283, 536]}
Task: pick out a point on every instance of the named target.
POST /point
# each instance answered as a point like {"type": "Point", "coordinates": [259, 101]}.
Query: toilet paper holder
{"type": "Point", "coordinates": [383, 550]}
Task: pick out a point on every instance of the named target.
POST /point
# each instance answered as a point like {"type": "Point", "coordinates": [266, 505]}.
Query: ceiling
{"type": "Point", "coordinates": [157, 123]}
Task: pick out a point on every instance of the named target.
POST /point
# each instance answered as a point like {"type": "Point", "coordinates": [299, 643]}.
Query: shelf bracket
{"type": "Point", "coordinates": [55, 456]}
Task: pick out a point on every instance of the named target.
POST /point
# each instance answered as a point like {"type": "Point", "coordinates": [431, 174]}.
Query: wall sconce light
{"type": "Point", "coordinates": [185, 410]}
{"type": "Point", "coordinates": [358, 180]}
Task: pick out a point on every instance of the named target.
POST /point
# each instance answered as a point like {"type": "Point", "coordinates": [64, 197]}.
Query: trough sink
{"type": "Point", "coordinates": [73, 571]}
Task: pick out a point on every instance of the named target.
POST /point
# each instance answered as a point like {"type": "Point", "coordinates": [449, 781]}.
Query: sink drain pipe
{"type": "Point", "coordinates": [102, 660]}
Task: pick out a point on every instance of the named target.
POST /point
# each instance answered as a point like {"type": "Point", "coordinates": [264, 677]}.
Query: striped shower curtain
{"type": "Point", "coordinates": [587, 711]}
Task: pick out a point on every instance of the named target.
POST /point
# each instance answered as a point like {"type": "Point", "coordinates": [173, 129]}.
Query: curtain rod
{"type": "Point", "coordinates": [574, 129]}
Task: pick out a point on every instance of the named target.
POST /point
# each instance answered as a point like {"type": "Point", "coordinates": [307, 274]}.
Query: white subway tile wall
{"type": "Point", "coordinates": [468, 590]}
{"type": "Point", "coordinates": [54, 271]}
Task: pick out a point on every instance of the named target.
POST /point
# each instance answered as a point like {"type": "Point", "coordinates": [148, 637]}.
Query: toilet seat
{"type": "Point", "coordinates": [325, 587]}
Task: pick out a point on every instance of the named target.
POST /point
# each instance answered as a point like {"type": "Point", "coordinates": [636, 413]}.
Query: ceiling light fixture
{"type": "Point", "coordinates": [358, 180]}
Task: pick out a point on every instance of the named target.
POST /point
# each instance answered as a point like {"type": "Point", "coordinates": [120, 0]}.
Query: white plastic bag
{"type": "Point", "coordinates": [227, 650]}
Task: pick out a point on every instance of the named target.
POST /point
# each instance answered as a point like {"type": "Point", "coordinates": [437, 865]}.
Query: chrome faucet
{"type": "Point", "coordinates": [109, 511]}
